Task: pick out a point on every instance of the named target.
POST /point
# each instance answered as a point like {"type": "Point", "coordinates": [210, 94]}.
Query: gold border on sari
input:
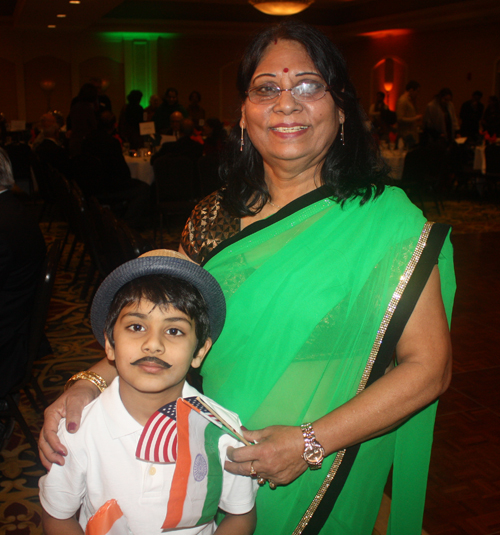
{"type": "Point", "coordinates": [391, 308]}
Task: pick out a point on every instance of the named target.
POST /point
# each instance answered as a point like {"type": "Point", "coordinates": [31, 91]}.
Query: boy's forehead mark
{"type": "Point", "coordinates": [285, 69]}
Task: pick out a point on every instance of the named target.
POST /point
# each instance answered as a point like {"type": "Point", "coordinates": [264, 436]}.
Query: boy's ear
{"type": "Point", "coordinates": [198, 358]}
{"type": "Point", "coordinates": [110, 350]}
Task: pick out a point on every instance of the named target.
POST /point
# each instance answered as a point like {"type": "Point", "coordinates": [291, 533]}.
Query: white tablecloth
{"type": "Point", "coordinates": [395, 159]}
{"type": "Point", "coordinates": [479, 159]}
{"type": "Point", "coordinates": [141, 168]}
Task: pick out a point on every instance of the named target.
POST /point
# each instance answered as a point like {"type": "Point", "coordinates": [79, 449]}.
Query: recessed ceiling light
{"type": "Point", "coordinates": [61, 15]}
{"type": "Point", "coordinates": [51, 25]}
{"type": "Point", "coordinates": [74, 1]}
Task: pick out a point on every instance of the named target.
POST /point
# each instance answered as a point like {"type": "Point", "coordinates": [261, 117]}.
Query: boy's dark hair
{"type": "Point", "coordinates": [163, 291]}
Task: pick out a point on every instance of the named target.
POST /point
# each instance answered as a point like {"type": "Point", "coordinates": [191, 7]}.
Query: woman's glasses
{"type": "Point", "coordinates": [305, 91]}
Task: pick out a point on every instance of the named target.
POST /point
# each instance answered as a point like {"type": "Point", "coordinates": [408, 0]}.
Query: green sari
{"type": "Point", "coordinates": [307, 290]}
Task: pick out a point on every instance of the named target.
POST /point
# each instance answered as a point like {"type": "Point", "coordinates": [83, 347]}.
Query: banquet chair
{"type": "Point", "coordinates": [208, 171]}
{"type": "Point", "coordinates": [174, 182]}
{"type": "Point", "coordinates": [35, 338]}
{"type": "Point", "coordinates": [423, 172]}
{"type": "Point", "coordinates": [492, 176]}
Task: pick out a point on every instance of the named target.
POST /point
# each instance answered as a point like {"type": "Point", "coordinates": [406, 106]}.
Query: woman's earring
{"type": "Point", "coordinates": [342, 134]}
{"type": "Point", "coordinates": [242, 140]}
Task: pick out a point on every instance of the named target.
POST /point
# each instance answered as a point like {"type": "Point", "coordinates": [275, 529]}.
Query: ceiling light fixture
{"type": "Point", "coordinates": [61, 15]}
{"type": "Point", "coordinates": [281, 7]}
{"type": "Point", "coordinates": [51, 25]}
{"type": "Point", "coordinates": [74, 1]}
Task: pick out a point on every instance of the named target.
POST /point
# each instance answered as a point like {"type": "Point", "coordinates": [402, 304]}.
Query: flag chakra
{"type": "Point", "coordinates": [158, 442]}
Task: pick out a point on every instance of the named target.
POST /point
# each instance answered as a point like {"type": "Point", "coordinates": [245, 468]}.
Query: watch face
{"type": "Point", "coordinates": [314, 455]}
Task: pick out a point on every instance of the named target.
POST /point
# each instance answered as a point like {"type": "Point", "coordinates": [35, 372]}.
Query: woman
{"type": "Point", "coordinates": [313, 255]}
{"type": "Point", "coordinates": [82, 117]}
{"type": "Point", "coordinates": [131, 115]}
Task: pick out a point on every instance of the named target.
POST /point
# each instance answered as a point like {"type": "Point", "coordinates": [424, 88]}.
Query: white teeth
{"type": "Point", "coordinates": [289, 129]}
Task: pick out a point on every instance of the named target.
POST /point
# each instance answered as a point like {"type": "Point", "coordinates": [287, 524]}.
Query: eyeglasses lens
{"type": "Point", "coordinates": [306, 91]}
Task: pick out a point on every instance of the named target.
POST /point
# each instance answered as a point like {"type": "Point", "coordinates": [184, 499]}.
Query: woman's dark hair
{"type": "Point", "coordinates": [445, 92]}
{"type": "Point", "coordinates": [163, 291]}
{"type": "Point", "coordinates": [135, 96]}
{"type": "Point", "coordinates": [88, 93]}
{"type": "Point", "coordinates": [350, 170]}
{"type": "Point", "coordinates": [197, 93]}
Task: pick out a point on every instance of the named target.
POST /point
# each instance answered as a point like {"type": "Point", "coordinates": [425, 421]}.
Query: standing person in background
{"type": "Point", "coordinates": [82, 117]}
{"type": "Point", "coordinates": [440, 119]}
{"type": "Point", "coordinates": [196, 112]}
{"type": "Point", "coordinates": [154, 104]}
{"type": "Point", "coordinates": [168, 106]}
{"type": "Point", "coordinates": [131, 115]}
{"type": "Point", "coordinates": [376, 114]}
{"type": "Point", "coordinates": [491, 118]}
{"type": "Point", "coordinates": [406, 113]}
{"type": "Point", "coordinates": [471, 114]}
{"type": "Point", "coordinates": [22, 252]}
{"type": "Point", "coordinates": [103, 99]}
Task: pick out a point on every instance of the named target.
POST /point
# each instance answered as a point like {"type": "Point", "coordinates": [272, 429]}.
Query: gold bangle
{"type": "Point", "coordinates": [93, 377]}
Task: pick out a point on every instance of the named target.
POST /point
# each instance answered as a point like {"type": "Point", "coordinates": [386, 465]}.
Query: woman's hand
{"type": "Point", "coordinates": [276, 456]}
{"type": "Point", "coordinates": [70, 406]}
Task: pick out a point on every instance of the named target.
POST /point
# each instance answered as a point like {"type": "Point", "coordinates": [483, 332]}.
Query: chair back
{"type": "Point", "coordinates": [208, 170]}
{"type": "Point", "coordinates": [40, 310]}
{"type": "Point", "coordinates": [492, 155]}
{"type": "Point", "coordinates": [174, 178]}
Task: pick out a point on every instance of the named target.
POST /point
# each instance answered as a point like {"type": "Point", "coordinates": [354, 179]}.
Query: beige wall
{"type": "Point", "coordinates": [463, 60]}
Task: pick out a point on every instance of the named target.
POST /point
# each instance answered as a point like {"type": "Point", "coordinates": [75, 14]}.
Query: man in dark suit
{"type": "Point", "coordinates": [49, 148]}
{"type": "Point", "coordinates": [184, 146]}
{"type": "Point", "coordinates": [22, 251]}
{"type": "Point", "coordinates": [115, 183]}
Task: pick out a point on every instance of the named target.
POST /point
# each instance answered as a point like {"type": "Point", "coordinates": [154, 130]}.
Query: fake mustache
{"type": "Point", "coordinates": [154, 360]}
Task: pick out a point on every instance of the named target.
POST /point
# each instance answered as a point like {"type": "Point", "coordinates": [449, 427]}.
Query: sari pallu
{"type": "Point", "coordinates": [306, 295]}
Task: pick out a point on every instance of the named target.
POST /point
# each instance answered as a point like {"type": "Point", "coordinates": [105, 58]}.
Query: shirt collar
{"type": "Point", "coordinates": [118, 420]}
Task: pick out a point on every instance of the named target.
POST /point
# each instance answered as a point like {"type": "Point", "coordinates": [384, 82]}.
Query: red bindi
{"type": "Point", "coordinates": [285, 69]}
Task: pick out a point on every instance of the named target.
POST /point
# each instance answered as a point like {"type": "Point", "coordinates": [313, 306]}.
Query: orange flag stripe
{"type": "Point", "coordinates": [180, 483]}
{"type": "Point", "coordinates": [104, 518]}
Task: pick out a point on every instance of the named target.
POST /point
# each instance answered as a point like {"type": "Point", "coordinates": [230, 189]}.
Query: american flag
{"type": "Point", "coordinates": [158, 442]}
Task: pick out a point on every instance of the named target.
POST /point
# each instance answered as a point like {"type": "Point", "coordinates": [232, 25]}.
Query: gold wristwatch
{"type": "Point", "coordinates": [313, 451]}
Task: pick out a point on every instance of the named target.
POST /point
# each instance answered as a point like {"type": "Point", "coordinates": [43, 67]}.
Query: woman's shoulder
{"type": "Point", "coordinates": [208, 226]}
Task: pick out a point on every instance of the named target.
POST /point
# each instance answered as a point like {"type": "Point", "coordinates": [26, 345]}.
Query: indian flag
{"type": "Point", "coordinates": [197, 481]}
{"type": "Point", "coordinates": [108, 520]}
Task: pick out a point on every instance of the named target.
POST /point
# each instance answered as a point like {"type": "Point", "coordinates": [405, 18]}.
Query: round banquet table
{"type": "Point", "coordinates": [141, 168]}
{"type": "Point", "coordinates": [395, 159]}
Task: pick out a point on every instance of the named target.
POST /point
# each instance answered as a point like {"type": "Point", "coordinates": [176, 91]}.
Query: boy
{"type": "Point", "coordinates": [155, 316]}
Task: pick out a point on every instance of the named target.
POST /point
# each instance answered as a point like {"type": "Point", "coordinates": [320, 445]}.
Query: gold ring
{"type": "Point", "coordinates": [272, 485]}
{"type": "Point", "coordinates": [261, 481]}
{"type": "Point", "coordinates": [253, 473]}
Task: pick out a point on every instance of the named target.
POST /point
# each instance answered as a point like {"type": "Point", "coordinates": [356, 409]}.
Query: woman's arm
{"type": "Point", "coordinates": [238, 524]}
{"type": "Point", "coordinates": [70, 406]}
{"type": "Point", "coordinates": [423, 373]}
{"type": "Point", "coordinates": [54, 526]}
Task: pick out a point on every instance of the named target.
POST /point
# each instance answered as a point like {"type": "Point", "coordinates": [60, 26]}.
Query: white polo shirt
{"type": "Point", "coordinates": [101, 465]}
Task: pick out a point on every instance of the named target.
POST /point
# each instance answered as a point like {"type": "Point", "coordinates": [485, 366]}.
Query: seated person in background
{"type": "Point", "coordinates": [131, 115]}
{"type": "Point", "coordinates": [184, 146]}
{"type": "Point", "coordinates": [115, 182]}
{"type": "Point", "coordinates": [22, 252]}
{"type": "Point", "coordinates": [167, 107]}
{"type": "Point", "coordinates": [48, 148]}
{"type": "Point", "coordinates": [196, 112]}
{"type": "Point", "coordinates": [154, 104]}
{"type": "Point", "coordinates": [21, 157]}
{"type": "Point", "coordinates": [175, 124]}
{"type": "Point", "coordinates": [156, 316]}
{"type": "Point", "coordinates": [214, 136]}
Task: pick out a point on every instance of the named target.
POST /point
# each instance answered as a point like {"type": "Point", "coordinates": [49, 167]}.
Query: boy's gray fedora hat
{"type": "Point", "coordinates": [159, 262]}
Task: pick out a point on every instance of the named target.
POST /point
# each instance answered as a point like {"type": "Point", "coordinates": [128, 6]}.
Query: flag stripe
{"type": "Point", "coordinates": [102, 521]}
{"type": "Point", "coordinates": [183, 467]}
{"type": "Point", "coordinates": [214, 478]}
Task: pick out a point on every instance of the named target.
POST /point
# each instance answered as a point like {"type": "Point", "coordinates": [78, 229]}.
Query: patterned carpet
{"type": "Point", "coordinates": [74, 349]}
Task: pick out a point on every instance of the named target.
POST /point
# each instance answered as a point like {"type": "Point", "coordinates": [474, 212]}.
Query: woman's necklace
{"type": "Point", "coordinates": [274, 205]}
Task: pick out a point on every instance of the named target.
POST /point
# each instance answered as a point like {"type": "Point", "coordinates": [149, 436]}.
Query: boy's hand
{"type": "Point", "coordinates": [70, 406]}
{"type": "Point", "coordinates": [276, 456]}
